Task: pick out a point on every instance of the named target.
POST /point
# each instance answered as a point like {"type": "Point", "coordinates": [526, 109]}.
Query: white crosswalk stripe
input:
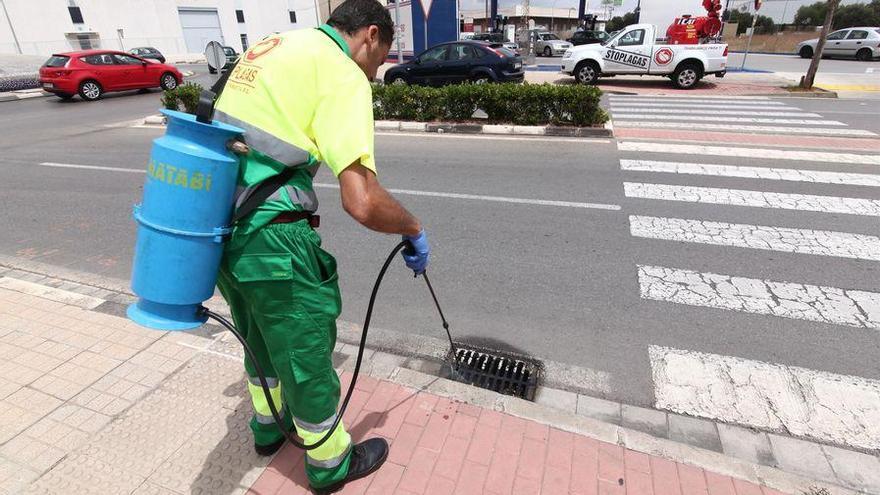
{"type": "Point", "coordinates": [763, 237]}
{"type": "Point", "coordinates": [784, 174]}
{"type": "Point", "coordinates": [821, 405]}
{"type": "Point", "coordinates": [698, 119]}
{"type": "Point", "coordinates": [855, 308]}
{"type": "Point", "coordinates": [687, 98]}
{"type": "Point", "coordinates": [685, 102]}
{"type": "Point", "coordinates": [765, 153]}
{"type": "Point", "coordinates": [757, 199]}
{"type": "Point", "coordinates": [754, 129]}
{"type": "Point", "coordinates": [703, 110]}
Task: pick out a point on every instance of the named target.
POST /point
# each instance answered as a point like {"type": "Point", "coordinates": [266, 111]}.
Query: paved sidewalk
{"type": "Point", "coordinates": [92, 403]}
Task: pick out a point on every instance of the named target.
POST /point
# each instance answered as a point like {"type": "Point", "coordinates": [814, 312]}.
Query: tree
{"type": "Point", "coordinates": [857, 14]}
{"type": "Point", "coordinates": [807, 80]}
{"type": "Point", "coordinates": [617, 23]}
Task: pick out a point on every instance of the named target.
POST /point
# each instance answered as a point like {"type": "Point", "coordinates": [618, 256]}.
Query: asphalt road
{"type": "Point", "coordinates": [557, 282]}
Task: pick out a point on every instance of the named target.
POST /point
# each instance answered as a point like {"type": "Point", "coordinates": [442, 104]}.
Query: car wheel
{"type": "Point", "coordinates": [865, 55]}
{"type": "Point", "coordinates": [398, 80]}
{"type": "Point", "coordinates": [587, 72]}
{"type": "Point", "coordinates": [548, 52]}
{"type": "Point", "coordinates": [481, 79]}
{"type": "Point", "coordinates": [168, 81]}
{"type": "Point", "coordinates": [64, 96]}
{"type": "Point", "coordinates": [687, 75]}
{"type": "Point", "coordinates": [212, 70]}
{"type": "Point", "coordinates": [806, 52]}
{"type": "Point", "coordinates": [90, 90]}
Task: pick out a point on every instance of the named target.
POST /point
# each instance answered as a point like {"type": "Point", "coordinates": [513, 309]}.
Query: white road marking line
{"type": "Point", "coordinates": [817, 404]}
{"type": "Point", "coordinates": [721, 118]}
{"type": "Point", "coordinates": [869, 70]}
{"type": "Point", "coordinates": [697, 111]}
{"type": "Point", "coordinates": [786, 174]}
{"type": "Point", "coordinates": [782, 239]}
{"type": "Point", "coordinates": [855, 308]}
{"type": "Point", "coordinates": [410, 192]}
{"type": "Point", "coordinates": [756, 199]}
{"type": "Point", "coordinates": [50, 293]}
{"type": "Point", "coordinates": [678, 107]}
{"type": "Point", "coordinates": [732, 151]}
{"type": "Point", "coordinates": [758, 129]}
{"type": "Point", "coordinates": [499, 199]}
{"type": "Point", "coordinates": [92, 167]}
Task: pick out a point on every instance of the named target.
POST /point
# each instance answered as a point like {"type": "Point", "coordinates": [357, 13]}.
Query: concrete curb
{"type": "Point", "coordinates": [23, 94]}
{"type": "Point", "coordinates": [496, 129]}
{"type": "Point", "coordinates": [606, 131]}
{"type": "Point", "coordinates": [566, 399]}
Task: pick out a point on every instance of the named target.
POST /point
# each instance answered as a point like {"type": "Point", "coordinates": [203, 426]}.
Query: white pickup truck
{"type": "Point", "coordinates": [635, 51]}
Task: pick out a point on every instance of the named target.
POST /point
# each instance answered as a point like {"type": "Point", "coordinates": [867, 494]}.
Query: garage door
{"type": "Point", "coordinates": [200, 26]}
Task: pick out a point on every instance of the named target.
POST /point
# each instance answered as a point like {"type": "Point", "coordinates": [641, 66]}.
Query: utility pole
{"type": "Point", "coordinates": [397, 32]}
{"type": "Point", "coordinates": [12, 29]}
{"type": "Point", "coordinates": [809, 78]}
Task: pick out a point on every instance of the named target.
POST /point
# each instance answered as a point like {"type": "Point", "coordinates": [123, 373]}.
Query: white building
{"type": "Point", "coordinates": [42, 27]}
{"type": "Point", "coordinates": [662, 12]}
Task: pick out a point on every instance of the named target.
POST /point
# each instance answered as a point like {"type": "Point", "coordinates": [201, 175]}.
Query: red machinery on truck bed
{"type": "Point", "coordinates": [689, 30]}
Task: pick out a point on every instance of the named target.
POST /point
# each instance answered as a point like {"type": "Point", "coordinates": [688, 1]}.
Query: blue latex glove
{"type": "Point", "coordinates": [416, 254]}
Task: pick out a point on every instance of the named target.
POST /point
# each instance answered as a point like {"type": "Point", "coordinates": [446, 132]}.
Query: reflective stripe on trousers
{"type": "Point", "coordinates": [332, 452]}
{"type": "Point", "coordinates": [262, 412]}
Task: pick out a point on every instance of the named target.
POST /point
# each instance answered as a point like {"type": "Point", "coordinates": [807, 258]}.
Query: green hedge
{"type": "Point", "coordinates": [520, 104]}
{"type": "Point", "coordinates": [185, 94]}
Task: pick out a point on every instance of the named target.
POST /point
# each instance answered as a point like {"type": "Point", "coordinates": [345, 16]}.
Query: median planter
{"type": "Point", "coordinates": [503, 104]}
{"type": "Point", "coordinates": [516, 109]}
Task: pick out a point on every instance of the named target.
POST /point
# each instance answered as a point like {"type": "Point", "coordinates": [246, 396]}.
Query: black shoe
{"type": "Point", "coordinates": [366, 457]}
{"type": "Point", "coordinates": [267, 450]}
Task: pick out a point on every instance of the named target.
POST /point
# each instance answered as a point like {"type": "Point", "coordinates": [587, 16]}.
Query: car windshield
{"type": "Point", "coordinates": [549, 36]}
{"type": "Point", "coordinates": [506, 51]}
{"type": "Point", "coordinates": [228, 51]}
{"type": "Point", "coordinates": [56, 61]}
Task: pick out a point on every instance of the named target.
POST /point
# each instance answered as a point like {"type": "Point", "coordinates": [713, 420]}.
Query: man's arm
{"type": "Point", "coordinates": [371, 205]}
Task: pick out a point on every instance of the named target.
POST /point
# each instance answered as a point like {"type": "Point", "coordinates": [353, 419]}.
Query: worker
{"type": "Point", "coordinates": [304, 98]}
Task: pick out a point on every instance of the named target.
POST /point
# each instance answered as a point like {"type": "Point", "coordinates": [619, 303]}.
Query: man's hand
{"type": "Point", "coordinates": [371, 205]}
{"type": "Point", "coordinates": [417, 253]}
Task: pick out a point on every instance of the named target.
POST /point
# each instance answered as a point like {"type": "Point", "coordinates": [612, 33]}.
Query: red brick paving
{"type": "Point", "coordinates": [441, 447]}
{"type": "Point", "coordinates": [710, 138]}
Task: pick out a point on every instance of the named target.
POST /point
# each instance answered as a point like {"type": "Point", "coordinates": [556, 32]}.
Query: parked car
{"type": "Point", "coordinates": [548, 44]}
{"type": "Point", "coordinates": [459, 61]}
{"type": "Point", "coordinates": [149, 53]}
{"type": "Point", "coordinates": [91, 73]}
{"type": "Point", "coordinates": [588, 37]}
{"type": "Point", "coordinates": [863, 43]}
{"type": "Point", "coordinates": [231, 57]}
{"type": "Point", "coordinates": [497, 38]}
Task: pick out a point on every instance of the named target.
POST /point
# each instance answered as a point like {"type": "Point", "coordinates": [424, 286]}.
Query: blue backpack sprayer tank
{"type": "Point", "coordinates": [185, 216]}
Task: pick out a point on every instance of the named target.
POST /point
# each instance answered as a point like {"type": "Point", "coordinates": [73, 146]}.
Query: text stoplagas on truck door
{"type": "Point", "coordinates": [627, 58]}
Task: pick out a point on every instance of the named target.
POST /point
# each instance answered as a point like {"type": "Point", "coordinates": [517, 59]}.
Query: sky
{"type": "Point", "coordinates": [771, 8]}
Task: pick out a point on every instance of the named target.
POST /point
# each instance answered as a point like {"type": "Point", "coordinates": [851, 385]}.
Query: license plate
{"type": "Point", "coordinates": [517, 65]}
{"type": "Point", "coordinates": [48, 85]}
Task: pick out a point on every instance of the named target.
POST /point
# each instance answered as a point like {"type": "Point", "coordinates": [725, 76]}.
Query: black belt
{"type": "Point", "coordinates": [296, 216]}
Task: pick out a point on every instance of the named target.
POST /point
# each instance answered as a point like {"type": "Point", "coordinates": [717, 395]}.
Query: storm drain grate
{"type": "Point", "coordinates": [506, 374]}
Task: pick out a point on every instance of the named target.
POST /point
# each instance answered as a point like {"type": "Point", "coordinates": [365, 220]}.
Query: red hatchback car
{"type": "Point", "coordinates": [91, 73]}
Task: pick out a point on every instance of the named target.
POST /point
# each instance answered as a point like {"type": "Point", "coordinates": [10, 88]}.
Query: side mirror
{"type": "Point", "coordinates": [417, 61]}
{"type": "Point", "coordinates": [144, 63]}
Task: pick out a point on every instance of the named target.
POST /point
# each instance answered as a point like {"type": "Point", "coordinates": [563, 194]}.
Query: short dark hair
{"type": "Point", "coordinates": [352, 15]}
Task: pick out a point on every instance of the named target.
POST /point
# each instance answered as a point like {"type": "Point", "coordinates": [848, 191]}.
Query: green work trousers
{"type": "Point", "coordinates": [284, 295]}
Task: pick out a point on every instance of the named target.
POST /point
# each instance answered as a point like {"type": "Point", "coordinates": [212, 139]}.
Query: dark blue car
{"type": "Point", "coordinates": [459, 61]}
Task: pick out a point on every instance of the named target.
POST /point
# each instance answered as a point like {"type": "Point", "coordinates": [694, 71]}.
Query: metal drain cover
{"type": "Point", "coordinates": [493, 370]}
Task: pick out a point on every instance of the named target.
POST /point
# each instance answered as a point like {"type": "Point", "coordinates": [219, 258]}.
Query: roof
{"type": "Point", "coordinates": [82, 53]}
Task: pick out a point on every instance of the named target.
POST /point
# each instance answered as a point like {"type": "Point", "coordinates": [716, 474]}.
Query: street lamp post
{"type": "Point", "coordinates": [552, 11]}
{"type": "Point", "coordinates": [12, 29]}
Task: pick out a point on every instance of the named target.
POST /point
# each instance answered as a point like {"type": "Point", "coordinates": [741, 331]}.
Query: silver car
{"type": "Point", "coordinates": [863, 43]}
{"type": "Point", "coordinates": [548, 44]}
